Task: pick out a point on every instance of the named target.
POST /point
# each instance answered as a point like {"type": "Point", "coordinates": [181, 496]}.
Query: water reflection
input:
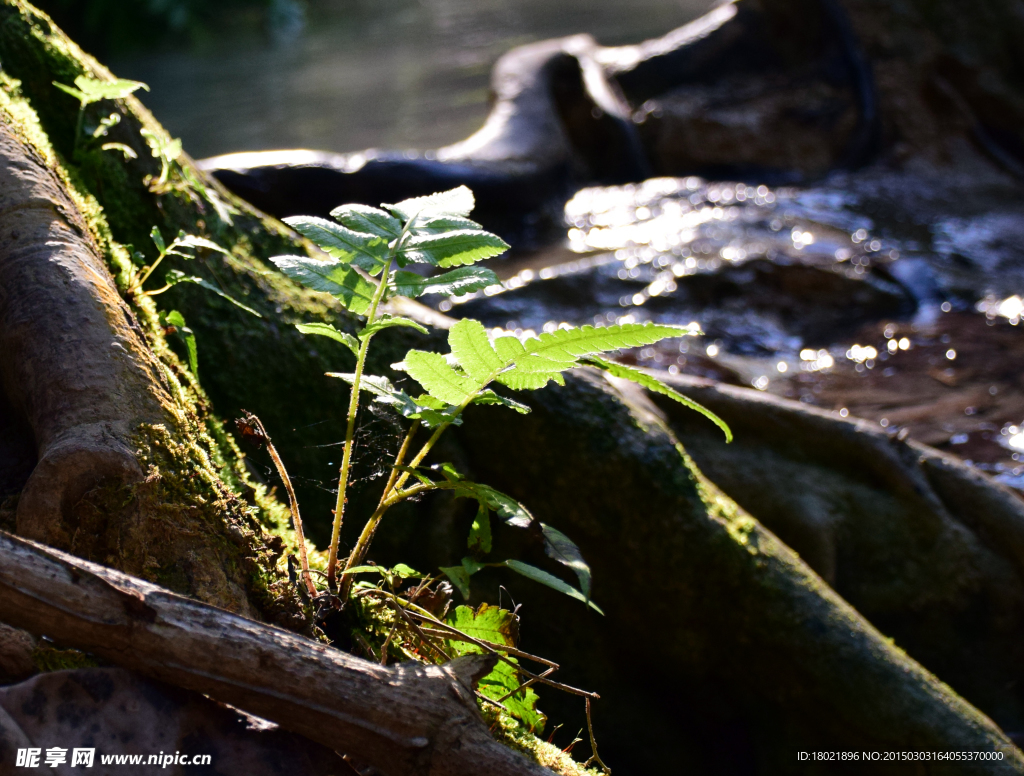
{"type": "Point", "coordinates": [384, 74]}
{"type": "Point", "coordinates": [797, 292]}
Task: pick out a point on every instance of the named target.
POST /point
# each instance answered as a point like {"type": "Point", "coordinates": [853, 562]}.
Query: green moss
{"type": "Point", "coordinates": [47, 658]}
{"type": "Point", "coordinates": [513, 734]}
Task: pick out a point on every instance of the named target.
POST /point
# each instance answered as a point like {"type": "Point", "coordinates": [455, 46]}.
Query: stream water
{"type": "Point", "coordinates": [890, 296]}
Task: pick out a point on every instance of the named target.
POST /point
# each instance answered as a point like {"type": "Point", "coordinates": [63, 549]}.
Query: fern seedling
{"type": "Point", "coordinates": [183, 246]}
{"type": "Point", "coordinates": [90, 90]}
{"type": "Point", "coordinates": [368, 251]}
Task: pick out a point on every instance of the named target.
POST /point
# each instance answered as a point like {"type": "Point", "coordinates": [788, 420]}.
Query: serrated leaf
{"type": "Point", "coordinates": [651, 383]}
{"type": "Point", "coordinates": [441, 224]}
{"type": "Point", "coordinates": [369, 220]}
{"type": "Point", "coordinates": [479, 540]}
{"type": "Point", "coordinates": [508, 348]}
{"type": "Point", "coordinates": [333, 277]}
{"type": "Point", "coordinates": [472, 349]}
{"type": "Point", "coordinates": [521, 380]}
{"type": "Point", "coordinates": [561, 548]}
{"type": "Point", "coordinates": [366, 251]}
{"type": "Point", "coordinates": [433, 372]}
{"type": "Point", "coordinates": [452, 249]}
{"type": "Point", "coordinates": [459, 281]}
{"type": "Point", "coordinates": [488, 623]}
{"type": "Point", "coordinates": [455, 202]}
{"type": "Point", "coordinates": [387, 321]}
{"type": "Point", "coordinates": [538, 575]}
{"type": "Point", "coordinates": [327, 330]}
{"type": "Point", "coordinates": [569, 345]}
{"type": "Point", "coordinates": [459, 577]}
{"type": "Point", "coordinates": [497, 626]}
{"type": "Point", "coordinates": [175, 276]}
{"type": "Point", "coordinates": [490, 397]}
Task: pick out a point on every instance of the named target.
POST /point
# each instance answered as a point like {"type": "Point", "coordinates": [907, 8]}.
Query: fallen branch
{"type": "Point", "coordinates": [407, 719]}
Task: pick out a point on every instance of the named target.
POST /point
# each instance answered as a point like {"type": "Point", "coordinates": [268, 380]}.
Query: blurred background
{"type": "Point", "coordinates": [336, 75]}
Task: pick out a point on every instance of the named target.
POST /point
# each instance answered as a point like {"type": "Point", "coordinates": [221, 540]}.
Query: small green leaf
{"type": "Point", "coordinates": [455, 283]}
{"type": "Point", "coordinates": [561, 548]}
{"type": "Point", "coordinates": [177, 320]}
{"type": "Point", "coordinates": [174, 277]}
{"type": "Point", "coordinates": [651, 383]}
{"type": "Point", "coordinates": [333, 277]}
{"type": "Point", "coordinates": [459, 578]}
{"type": "Point", "coordinates": [126, 151]}
{"type": "Point", "coordinates": [471, 565]}
{"type": "Point", "coordinates": [452, 249]}
{"type": "Point", "coordinates": [368, 220]}
{"type": "Point", "coordinates": [366, 251]}
{"type": "Point", "coordinates": [441, 381]}
{"type": "Point", "coordinates": [191, 241]}
{"type": "Point", "coordinates": [91, 90]}
{"type": "Point", "coordinates": [537, 575]}
{"type": "Point", "coordinates": [327, 330]}
{"type": "Point", "coordinates": [472, 349]}
{"type": "Point", "coordinates": [406, 572]}
{"type": "Point", "coordinates": [105, 125]}
{"type": "Point", "coordinates": [78, 95]}
{"type": "Point", "coordinates": [96, 90]}
{"type": "Point", "coordinates": [174, 318]}
{"type": "Point", "coordinates": [158, 240]}
{"type": "Point", "coordinates": [387, 321]}
{"type": "Point", "coordinates": [378, 386]}
{"type": "Point", "coordinates": [457, 202]}
{"type": "Point", "coordinates": [479, 540]}
{"type": "Point", "coordinates": [164, 148]}
{"type": "Point", "coordinates": [364, 570]}
{"type": "Point", "coordinates": [490, 397]}
{"type": "Point", "coordinates": [428, 410]}
{"type": "Point", "coordinates": [415, 472]}
{"type": "Point", "coordinates": [506, 507]}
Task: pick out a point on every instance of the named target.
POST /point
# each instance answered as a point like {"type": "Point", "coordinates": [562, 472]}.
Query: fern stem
{"type": "Point", "coordinates": [350, 430]}
{"type": "Point", "coordinates": [370, 529]}
{"type": "Point", "coordinates": [149, 271]}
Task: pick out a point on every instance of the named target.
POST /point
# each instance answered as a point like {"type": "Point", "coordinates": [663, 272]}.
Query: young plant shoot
{"type": "Point", "coordinates": [369, 250]}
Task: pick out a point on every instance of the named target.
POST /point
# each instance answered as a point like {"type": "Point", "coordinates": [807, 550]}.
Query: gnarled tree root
{"type": "Point", "coordinates": [73, 361]}
{"type": "Point", "coordinates": [405, 720]}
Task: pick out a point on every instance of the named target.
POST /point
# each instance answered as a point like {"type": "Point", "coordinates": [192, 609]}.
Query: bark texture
{"type": "Point", "coordinates": [405, 720]}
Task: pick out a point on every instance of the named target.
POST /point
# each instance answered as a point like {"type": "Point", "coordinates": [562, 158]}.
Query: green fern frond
{"type": "Point", "coordinates": [651, 383]}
